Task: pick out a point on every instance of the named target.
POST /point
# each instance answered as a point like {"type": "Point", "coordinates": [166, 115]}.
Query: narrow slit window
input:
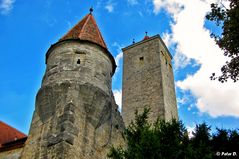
{"type": "Point", "coordinates": [78, 61]}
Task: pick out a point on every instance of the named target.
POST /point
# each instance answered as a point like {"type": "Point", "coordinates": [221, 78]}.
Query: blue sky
{"type": "Point", "coordinates": [27, 29]}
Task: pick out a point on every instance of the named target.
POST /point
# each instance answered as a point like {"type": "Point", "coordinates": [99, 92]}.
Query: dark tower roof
{"type": "Point", "coordinates": [86, 29]}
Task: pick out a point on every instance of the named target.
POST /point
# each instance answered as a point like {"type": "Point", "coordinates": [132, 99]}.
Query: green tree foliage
{"type": "Point", "coordinates": [169, 140]}
{"type": "Point", "coordinates": [225, 141]}
{"type": "Point", "coordinates": [146, 141]}
{"type": "Point", "coordinates": [201, 142]}
{"type": "Point", "coordinates": [228, 41]}
{"type": "Point", "coordinates": [220, 140]}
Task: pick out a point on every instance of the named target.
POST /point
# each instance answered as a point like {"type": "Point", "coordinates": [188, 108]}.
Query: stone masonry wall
{"type": "Point", "coordinates": [79, 62]}
{"type": "Point", "coordinates": [146, 81]}
{"type": "Point", "coordinates": [76, 116]}
{"type": "Point", "coordinates": [142, 80]}
{"type": "Point", "coordinates": [170, 104]}
{"type": "Point", "coordinates": [11, 154]}
{"type": "Point", "coordinates": [81, 123]}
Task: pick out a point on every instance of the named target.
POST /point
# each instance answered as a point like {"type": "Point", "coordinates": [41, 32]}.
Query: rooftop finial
{"type": "Point", "coordinates": [91, 10]}
{"type": "Point", "coordinates": [146, 36]}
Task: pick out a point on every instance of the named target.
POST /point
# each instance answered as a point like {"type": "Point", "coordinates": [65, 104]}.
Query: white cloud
{"type": "Point", "coordinates": [190, 131]}
{"type": "Point", "coordinates": [180, 60]}
{"type": "Point", "coordinates": [181, 101]}
{"type": "Point", "coordinates": [119, 56]}
{"type": "Point", "coordinates": [118, 98]}
{"type": "Point", "coordinates": [190, 107]}
{"type": "Point", "coordinates": [118, 92]}
{"type": "Point", "coordinates": [109, 7]}
{"type": "Point", "coordinates": [132, 2]}
{"type": "Point", "coordinates": [6, 6]}
{"type": "Point", "coordinates": [194, 43]}
{"type": "Point", "coordinates": [172, 6]}
{"type": "Point", "coordinates": [167, 38]}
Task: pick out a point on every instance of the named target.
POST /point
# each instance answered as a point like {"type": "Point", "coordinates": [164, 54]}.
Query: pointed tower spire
{"type": "Point", "coordinates": [86, 29]}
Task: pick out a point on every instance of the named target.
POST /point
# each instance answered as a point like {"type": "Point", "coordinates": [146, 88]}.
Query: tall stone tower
{"type": "Point", "coordinates": [148, 80]}
{"type": "Point", "coordinates": [76, 116]}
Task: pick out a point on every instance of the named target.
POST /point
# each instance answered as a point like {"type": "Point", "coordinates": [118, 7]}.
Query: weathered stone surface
{"type": "Point", "coordinates": [95, 66]}
{"type": "Point", "coordinates": [76, 115]}
{"type": "Point", "coordinates": [11, 154]}
{"type": "Point", "coordinates": [148, 80]}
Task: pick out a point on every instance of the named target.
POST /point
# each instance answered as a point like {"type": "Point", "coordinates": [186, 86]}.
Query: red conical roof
{"type": "Point", "coordinates": [86, 29]}
{"type": "Point", "coordinates": [9, 134]}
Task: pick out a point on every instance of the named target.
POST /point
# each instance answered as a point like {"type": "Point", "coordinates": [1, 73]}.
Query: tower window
{"type": "Point", "coordinates": [141, 58]}
{"type": "Point", "coordinates": [78, 61]}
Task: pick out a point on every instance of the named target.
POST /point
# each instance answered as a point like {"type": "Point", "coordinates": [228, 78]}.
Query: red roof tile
{"type": "Point", "coordinates": [9, 134]}
{"type": "Point", "coordinates": [146, 37]}
{"type": "Point", "coordinates": [86, 29]}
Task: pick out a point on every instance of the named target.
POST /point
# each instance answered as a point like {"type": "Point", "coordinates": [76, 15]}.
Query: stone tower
{"type": "Point", "coordinates": [75, 115]}
{"type": "Point", "coordinates": [148, 80]}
